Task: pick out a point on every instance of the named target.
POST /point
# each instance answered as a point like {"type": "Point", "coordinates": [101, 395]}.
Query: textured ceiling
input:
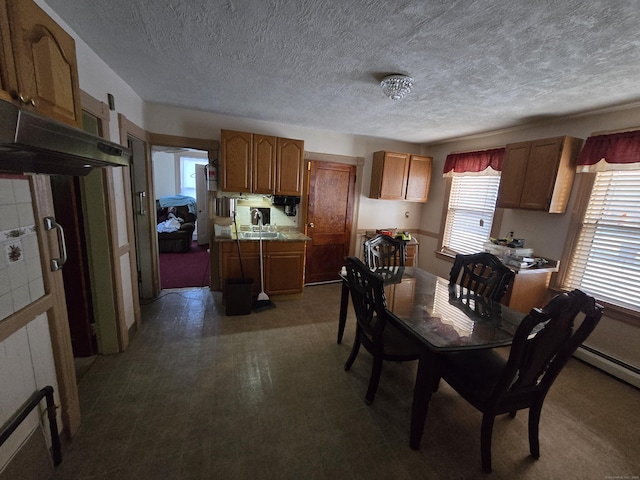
{"type": "Point", "coordinates": [478, 65]}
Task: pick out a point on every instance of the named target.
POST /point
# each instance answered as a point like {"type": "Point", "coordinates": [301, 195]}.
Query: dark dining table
{"type": "Point", "coordinates": [442, 318]}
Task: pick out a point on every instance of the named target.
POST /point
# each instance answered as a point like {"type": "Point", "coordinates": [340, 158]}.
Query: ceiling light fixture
{"type": "Point", "coordinates": [396, 86]}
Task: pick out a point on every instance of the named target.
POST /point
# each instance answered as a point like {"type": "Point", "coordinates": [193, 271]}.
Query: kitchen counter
{"type": "Point", "coordinates": [284, 236]}
{"type": "Point", "coordinates": [550, 267]}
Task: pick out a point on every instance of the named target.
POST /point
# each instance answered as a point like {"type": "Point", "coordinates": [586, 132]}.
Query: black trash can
{"type": "Point", "coordinates": [238, 294]}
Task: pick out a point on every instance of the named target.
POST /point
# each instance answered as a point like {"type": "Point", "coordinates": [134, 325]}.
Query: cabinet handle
{"type": "Point", "coordinates": [57, 263]}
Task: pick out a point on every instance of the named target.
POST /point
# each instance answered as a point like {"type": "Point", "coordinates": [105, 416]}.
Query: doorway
{"type": "Point", "coordinates": [180, 175]}
{"type": "Point", "coordinates": [177, 165]}
{"type": "Point", "coordinates": [330, 205]}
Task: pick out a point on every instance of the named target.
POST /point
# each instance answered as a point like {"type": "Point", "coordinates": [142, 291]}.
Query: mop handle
{"type": "Point", "coordinates": [261, 266]}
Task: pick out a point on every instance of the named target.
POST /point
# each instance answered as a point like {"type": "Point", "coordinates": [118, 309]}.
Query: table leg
{"type": "Point", "coordinates": [421, 397]}
{"type": "Point", "coordinates": [344, 303]}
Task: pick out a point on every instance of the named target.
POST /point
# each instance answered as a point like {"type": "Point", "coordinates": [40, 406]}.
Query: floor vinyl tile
{"type": "Point", "coordinates": [201, 395]}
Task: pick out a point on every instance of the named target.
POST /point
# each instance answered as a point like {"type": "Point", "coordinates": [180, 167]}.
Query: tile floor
{"type": "Point", "coordinates": [199, 395]}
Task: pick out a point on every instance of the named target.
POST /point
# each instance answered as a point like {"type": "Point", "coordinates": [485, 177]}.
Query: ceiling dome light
{"type": "Point", "coordinates": [396, 86]}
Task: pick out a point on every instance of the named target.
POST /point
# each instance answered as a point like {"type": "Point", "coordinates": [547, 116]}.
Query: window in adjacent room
{"type": "Point", "coordinates": [188, 174]}
{"type": "Point", "coordinates": [475, 178]}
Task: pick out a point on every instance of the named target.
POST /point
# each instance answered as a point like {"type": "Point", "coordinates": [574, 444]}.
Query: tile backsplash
{"type": "Point", "coordinates": [21, 280]}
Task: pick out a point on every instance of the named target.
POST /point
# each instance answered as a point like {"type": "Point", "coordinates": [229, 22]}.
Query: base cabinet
{"type": "Point", "coordinates": [528, 290]}
{"type": "Point", "coordinates": [283, 265]}
{"type": "Point", "coordinates": [230, 265]}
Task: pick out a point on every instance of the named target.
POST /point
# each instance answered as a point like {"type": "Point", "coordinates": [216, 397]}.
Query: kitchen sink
{"type": "Point", "coordinates": [256, 235]}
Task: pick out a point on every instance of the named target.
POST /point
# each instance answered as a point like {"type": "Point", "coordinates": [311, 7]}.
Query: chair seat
{"type": "Point", "coordinates": [398, 346]}
{"type": "Point", "coordinates": [474, 374]}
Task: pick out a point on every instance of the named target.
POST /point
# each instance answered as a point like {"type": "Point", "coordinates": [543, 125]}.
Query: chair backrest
{"type": "Point", "coordinates": [474, 305]}
{"type": "Point", "coordinates": [385, 251]}
{"type": "Point", "coordinates": [544, 341]}
{"type": "Point", "coordinates": [482, 273]}
{"type": "Point", "coordinates": [367, 295]}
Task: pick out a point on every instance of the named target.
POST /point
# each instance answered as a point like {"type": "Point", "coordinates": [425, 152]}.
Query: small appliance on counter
{"type": "Point", "coordinates": [288, 202]}
{"type": "Point", "coordinates": [393, 232]}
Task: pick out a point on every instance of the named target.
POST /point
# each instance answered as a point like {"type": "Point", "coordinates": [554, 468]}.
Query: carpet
{"type": "Point", "coordinates": [188, 269]}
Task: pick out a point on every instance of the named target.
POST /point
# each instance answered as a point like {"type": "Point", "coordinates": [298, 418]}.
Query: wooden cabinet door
{"type": "Point", "coordinates": [389, 176]}
{"type": "Point", "coordinates": [264, 164]}
{"type": "Point", "coordinates": [236, 161]}
{"type": "Point", "coordinates": [45, 63]}
{"type": "Point", "coordinates": [284, 267]}
{"type": "Point", "coordinates": [230, 263]}
{"type": "Point", "coordinates": [411, 259]}
{"type": "Point", "coordinates": [290, 162]}
{"type": "Point", "coordinates": [419, 178]}
{"type": "Point", "coordinates": [540, 177]}
{"type": "Point", "coordinates": [514, 171]}
{"type": "Point", "coordinates": [8, 82]}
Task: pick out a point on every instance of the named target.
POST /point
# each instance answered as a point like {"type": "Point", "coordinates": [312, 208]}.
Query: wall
{"type": "Point", "coordinates": [545, 233]}
{"type": "Point", "coordinates": [164, 174]}
{"type": "Point", "coordinates": [372, 214]}
{"type": "Point", "coordinates": [26, 357]}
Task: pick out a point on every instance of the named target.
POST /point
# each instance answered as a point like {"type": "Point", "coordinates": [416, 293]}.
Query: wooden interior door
{"type": "Point", "coordinates": [67, 202]}
{"type": "Point", "coordinates": [329, 218]}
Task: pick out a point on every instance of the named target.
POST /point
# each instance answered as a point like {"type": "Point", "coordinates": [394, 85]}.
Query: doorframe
{"type": "Point", "coordinates": [347, 160]}
{"type": "Point", "coordinates": [212, 148]}
{"type": "Point", "coordinates": [113, 335]}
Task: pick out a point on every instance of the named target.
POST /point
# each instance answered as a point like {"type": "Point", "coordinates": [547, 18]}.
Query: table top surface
{"type": "Point", "coordinates": [444, 318]}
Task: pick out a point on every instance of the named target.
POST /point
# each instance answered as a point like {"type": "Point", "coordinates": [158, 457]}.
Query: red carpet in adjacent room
{"type": "Point", "coordinates": [188, 269]}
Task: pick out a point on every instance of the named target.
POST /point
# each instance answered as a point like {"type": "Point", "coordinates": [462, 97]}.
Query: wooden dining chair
{"type": "Point", "coordinates": [384, 341]}
{"type": "Point", "coordinates": [543, 343]}
{"type": "Point", "coordinates": [380, 251]}
{"type": "Point", "coordinates": [483, 273]}
{"type": "Point", "coordinates": [385, 251]}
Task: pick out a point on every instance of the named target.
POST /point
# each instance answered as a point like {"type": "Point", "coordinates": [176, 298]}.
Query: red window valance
{"type": "Point", "coordinates": [482, 162]}
{"type": "Point", "coordinates": [616, 151]}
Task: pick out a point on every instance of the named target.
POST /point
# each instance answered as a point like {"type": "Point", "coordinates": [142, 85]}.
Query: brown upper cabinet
{"type": "Point", "coordinates": [38, 67]}
{"type": "Point", "coordinates": [538, 175]}
{"type": "Point", "coordinates": [400, 176]}
{"type": "Point", "coordinates": [253, 163]}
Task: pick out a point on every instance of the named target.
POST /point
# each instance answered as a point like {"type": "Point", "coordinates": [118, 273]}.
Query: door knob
{"type": "Point", "coordinates": [311, 225]}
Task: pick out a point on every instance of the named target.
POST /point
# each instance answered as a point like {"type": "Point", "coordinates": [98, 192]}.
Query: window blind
{"type": "Point", "coordinates": [472, 202]}
{"type": "Point", "coordinates": [606, 260]}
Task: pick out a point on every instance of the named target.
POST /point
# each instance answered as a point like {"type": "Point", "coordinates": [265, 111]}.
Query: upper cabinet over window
{"type": "Point", "coordinates": [253, 163]}
{"type": "Point", "coordinates": [38, 67]}
{"type": "Point", "coordinates": [400, 176]}
{"type": "Point", "coordinates": [538, 175]}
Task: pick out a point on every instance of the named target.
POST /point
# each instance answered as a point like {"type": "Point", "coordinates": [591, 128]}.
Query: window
{"type": "Point", "coordinates": [606, 259]}
{"type": "Point", "coordinates": [188, 174]}
{"type": "Point", "coordinates": [472, 203]}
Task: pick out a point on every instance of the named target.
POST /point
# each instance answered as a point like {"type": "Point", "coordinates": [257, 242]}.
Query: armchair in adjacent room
{"type": "Point", "coordinates": [176, 225]}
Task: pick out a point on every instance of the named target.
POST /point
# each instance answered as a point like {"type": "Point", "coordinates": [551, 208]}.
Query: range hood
{"type": "Point", "coordinates": [31, 143]}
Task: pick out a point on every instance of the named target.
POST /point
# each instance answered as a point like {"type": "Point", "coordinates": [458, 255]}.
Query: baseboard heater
{"type": "Point", "coordinates": [612, 366]}
{"type": "Point", "coordinates": [15, 421]}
